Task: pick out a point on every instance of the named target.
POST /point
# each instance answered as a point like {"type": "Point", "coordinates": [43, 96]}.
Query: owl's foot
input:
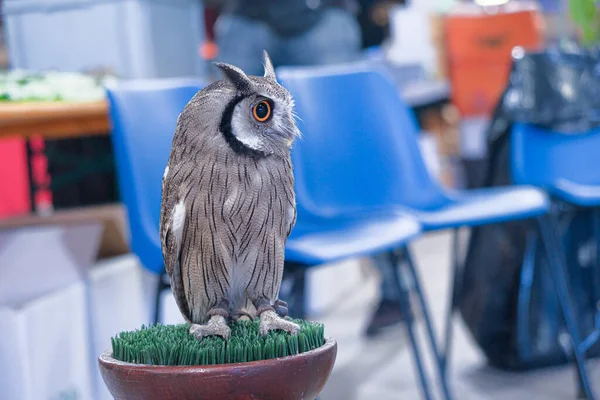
{"type": "Point", "coordinates": [216, 326]}
{"type": "Point", "coordinates": [269, 320]}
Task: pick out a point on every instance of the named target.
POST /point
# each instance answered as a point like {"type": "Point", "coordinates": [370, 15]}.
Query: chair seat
{"type": "Point", "coordinates": [575, 193]}
{"type": "Point", "coordinates": [323, 240]}
{"type": "Point", "coordinates": [485, 206]}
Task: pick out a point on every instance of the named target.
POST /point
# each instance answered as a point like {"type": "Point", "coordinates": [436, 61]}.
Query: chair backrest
{"type": "Point", "coordinates": [544, 158]}
{"type": "Point", "coordinates": [144, 115]}
{"type": "Point", "coordinates": [359, 146]}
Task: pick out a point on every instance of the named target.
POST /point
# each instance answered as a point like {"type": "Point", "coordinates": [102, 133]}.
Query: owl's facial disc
{"type": "Point", "coordinates": [246, 120]}
{"type": "Point", "coordinates": [259, 118]}
{"type": "Point", "coordinates": [263, 122]}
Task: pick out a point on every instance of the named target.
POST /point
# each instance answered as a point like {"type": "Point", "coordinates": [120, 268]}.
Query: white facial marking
{"type": "Point", "coordinates": [178, 220]}
{"type": "Point", "coordinates": [248, 139]}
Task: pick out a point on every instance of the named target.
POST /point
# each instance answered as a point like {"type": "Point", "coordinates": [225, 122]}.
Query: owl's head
{"type": "Point", "coordinates": [259, 115]}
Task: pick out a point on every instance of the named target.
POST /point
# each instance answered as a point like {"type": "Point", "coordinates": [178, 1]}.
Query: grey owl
{"type": "Point", "coordinates": [228, 202]}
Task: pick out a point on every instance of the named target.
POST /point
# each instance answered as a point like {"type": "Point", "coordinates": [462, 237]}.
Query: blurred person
{"type": "Point", "coordinates": [373, 18]}
{"type": "Point", "coordinates": [294, 32]}
{"type": "Point", "coordinates": [387, 313]}
{"type": "Point", "coordinates": [3, 45]}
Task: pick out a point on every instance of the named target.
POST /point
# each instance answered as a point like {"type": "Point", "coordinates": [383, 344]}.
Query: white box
{"type": "Point", "coordinates": [54, 256]}
{"type": "Point", "coordinates": [116, 304]}
{"type": "Point", "coordinates": [44, 338]}
{"type": "Point", "coordinates": [133, 38]}
{"type": "Point", "coordinates": [44, 347]}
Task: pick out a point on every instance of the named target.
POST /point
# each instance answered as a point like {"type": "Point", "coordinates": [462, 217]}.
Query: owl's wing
{"type": "Point", "coordinates": [290, 215]}
{"type": "Point", "coordinates": [290, 218]}
{"type": "Point", "coordinates": [172, 224]}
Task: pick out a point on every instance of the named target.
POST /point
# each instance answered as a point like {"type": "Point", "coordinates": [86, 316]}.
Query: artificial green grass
{"type": "Point", "coordinates": [173, 345]}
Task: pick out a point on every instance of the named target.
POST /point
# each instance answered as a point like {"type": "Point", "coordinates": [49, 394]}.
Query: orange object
{"type": "Point", "coordinates": [209, 50]}
{"type": "Point", "coordinates": [479, 47]}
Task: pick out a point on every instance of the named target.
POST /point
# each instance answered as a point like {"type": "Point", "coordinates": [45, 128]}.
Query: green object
{"type": "Point", "coordinates": [174, 345]}
{"type": "Point", "coordinates": [586, 15]}
{"type": "Point", "coordinates": [51, 86]}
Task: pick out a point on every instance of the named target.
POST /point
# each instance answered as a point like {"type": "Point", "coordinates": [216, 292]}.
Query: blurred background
{"type": "Point", "coordinates": [485, 120]}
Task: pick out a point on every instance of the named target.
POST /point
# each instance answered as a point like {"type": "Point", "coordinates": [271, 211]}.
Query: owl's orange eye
{"type": "Point", "coordinates": [262, 111]}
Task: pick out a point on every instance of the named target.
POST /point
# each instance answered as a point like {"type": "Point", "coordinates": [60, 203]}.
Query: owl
{"type": "Point", "coordinates": [228, 203]}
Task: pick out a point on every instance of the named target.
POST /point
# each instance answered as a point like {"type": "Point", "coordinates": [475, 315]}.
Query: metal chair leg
{"type": "Point", "coordinates": [404, 303]}
{"type": "Point", "coordinates": [160, 288]}
{"type": "Point", "coordinates": [525, 289]}
{"type": "Point", "coordinates": [453, 301]}
{"type": "Point", "coordinates": [596, 221]}
{"type": "Point", "coordinates": [443, 382]}
{"type": "Point", "coordinates": [558, 272]}
{"type": "Point", "coordinates": [293, 289]}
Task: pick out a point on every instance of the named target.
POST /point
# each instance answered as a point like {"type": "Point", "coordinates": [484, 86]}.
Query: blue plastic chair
{"type": "Point", "coordinates": [359, 152]}
{"type": "Point", "coordinates": [567, 167]}
{"type": "Point", "coordinates": [143, 116]}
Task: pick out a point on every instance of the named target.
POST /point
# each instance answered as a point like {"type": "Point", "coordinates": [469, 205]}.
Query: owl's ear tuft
{"type": "Point", "coordinates": [269, 70]}
{"type": "Point", "coordinates": [236, 76]}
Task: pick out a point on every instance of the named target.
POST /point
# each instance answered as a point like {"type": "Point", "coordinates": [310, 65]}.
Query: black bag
{"type": "Point", "coordinates": [82, 171]}
{"type": "Point", "coordinates": [507, 300]}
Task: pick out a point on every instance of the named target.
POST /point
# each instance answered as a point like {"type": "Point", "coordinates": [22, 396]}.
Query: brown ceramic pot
{"type": "Point", "coordinates": [297, 377]}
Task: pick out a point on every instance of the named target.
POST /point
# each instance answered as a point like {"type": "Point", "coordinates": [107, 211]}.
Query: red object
{"type": "Point", "coordinates": [297, 377]}
{"type": "Point", "coordinates": [14, 178]}
{"type": "Point", "coordinates": [210, 17]}
{"type": "Point", "coordinates": [479, 48]}
{"type": "Point", "coordinates": [40, 177]}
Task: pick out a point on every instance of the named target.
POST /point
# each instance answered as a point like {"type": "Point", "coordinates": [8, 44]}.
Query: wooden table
{"type": "Point", "coordinates": [54, 120]}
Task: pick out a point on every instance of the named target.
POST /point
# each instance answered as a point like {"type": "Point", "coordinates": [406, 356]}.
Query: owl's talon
{"type": "Point", "coordinates": [269, 321]}
{"type": "Point", "coordinates": [216, 326]}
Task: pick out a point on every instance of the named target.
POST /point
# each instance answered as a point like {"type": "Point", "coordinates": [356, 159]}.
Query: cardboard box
{"type": "Point", "coordinates": [114, 239]}
{"type": "Point", "coordinates": [116, 299]}
{"type": "Point", "coordinates": [44, 345]}
{"type": "Point", "coordinates": [51, 264]}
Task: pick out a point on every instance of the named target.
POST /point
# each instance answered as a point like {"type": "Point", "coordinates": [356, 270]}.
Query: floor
{"type": "Point", "coordinates": [382, 369]}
